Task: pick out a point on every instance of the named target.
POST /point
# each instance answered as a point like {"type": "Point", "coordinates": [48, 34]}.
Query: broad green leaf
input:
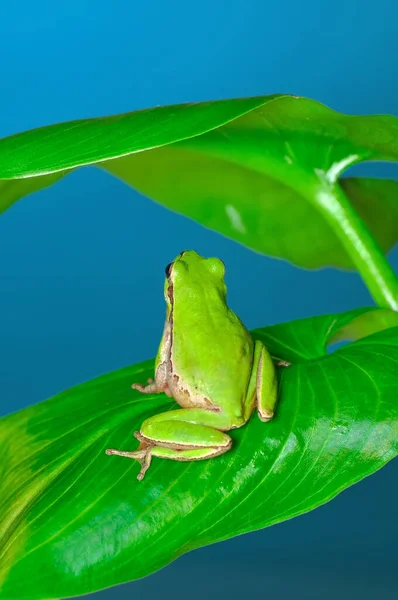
{"type": "Point", "coordinates": [363, 325]}
{"type": "Point", "coordinates": [88, 141]}
{"type": "Point", "coordinates": [73, 520]}
{"type": "Point", "coordinates": [253, 169]}
{"type": "Point", "coordinates": [12, 190]}
{"type": "Point", "coordinates": [258, 212]}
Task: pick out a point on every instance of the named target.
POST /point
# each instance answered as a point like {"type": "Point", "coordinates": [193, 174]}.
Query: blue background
{"type": "Point", "coordinates": [83, 262]}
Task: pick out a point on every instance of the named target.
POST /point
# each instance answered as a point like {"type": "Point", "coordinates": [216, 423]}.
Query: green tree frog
{"type": "Point", "coordinates": [208, 362]}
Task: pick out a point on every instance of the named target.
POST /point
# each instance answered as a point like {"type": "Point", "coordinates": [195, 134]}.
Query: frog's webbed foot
{"type": "Point", "coordinates": [145, 464]}
{"type": "Point", "coordinates": [143, 454]}
{"type": "Point", "coordinates": [182, 435]}
{"type": "Point", "coordinates": [152, 388]}
{"type": "Point", "coordinates": [157, 385]}
{"type": "Point", "coordinates": [282, 363]}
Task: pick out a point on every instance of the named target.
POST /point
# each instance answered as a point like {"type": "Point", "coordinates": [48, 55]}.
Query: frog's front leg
{"type": "Point", "coordinates": [182, 434]}
{"type": "Point", "coordinates": [156, 386]}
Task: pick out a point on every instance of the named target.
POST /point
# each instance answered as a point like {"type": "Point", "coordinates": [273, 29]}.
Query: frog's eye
{"type": "Point", "coordinates": [168, 269]}
{"type": "Point", "coordinates": [216, 266]}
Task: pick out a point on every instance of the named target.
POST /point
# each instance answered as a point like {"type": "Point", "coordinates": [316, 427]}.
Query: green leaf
{"type": "Point", "coordinates": [254, 169]}
{"type": "Point", "coordinates": [363, 325]}
{"type": "Point", "coordinates": [258, 211]}
{"type": "Point", "coordinates": [73, 520]}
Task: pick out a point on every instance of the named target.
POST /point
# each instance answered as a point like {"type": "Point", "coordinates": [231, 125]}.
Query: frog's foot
{"type": "Point", "coordinates": [150, 387]}
{"type": "Point", "coordinates": [181, 435]}
{"type": "Point", "coordinates": [157, 385]}
{"type": "Point", "coordinates": [143, 454]}
{"type": "Point", "coordinates": [282, 363]}
{"type": "Point", "coordinates": [153, 387]}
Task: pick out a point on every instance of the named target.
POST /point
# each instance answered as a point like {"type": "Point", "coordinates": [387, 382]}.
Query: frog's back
{"type": "Point", "coordinates": [213, 346]}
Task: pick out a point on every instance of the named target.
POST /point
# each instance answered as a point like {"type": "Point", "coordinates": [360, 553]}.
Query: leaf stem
{"type": "Point", "coordinates": [359, 243]}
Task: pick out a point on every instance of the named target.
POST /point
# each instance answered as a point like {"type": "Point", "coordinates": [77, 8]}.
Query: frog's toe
{"type": "Point", "coordinates": [137, 454]}
{"type": "Point", "coordinates": [143, 455]}
{"type": "Point", "coordinates": [145, 464]}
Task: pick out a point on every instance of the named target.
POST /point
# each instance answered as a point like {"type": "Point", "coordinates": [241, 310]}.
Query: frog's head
{"type": "Point", "coordinates": [190, 271]}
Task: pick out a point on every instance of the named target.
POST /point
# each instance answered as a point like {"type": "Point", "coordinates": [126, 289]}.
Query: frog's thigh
{"type": "Point", "coordinates": [189, 454]}
{"type": "Point", "coordinates": [195, 430]}
{"type": "Point", "coordinates": [266, 382]}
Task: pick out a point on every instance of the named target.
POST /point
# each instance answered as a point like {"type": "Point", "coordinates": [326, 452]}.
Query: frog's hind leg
{"type": "Point", "coordinates": [182, 435]}
{"type": "Point", "coordinates": [262, 391]}
{"type": "Point", "coordinates": [266, 383]}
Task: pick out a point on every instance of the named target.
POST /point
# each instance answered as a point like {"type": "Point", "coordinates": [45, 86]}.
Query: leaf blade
{"type": "Point", "coordinates": [243, 167]}
{"type": "Point", "coordinates": [92, 524]}
{"type": "Point", "coordinates": [72, 144]}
